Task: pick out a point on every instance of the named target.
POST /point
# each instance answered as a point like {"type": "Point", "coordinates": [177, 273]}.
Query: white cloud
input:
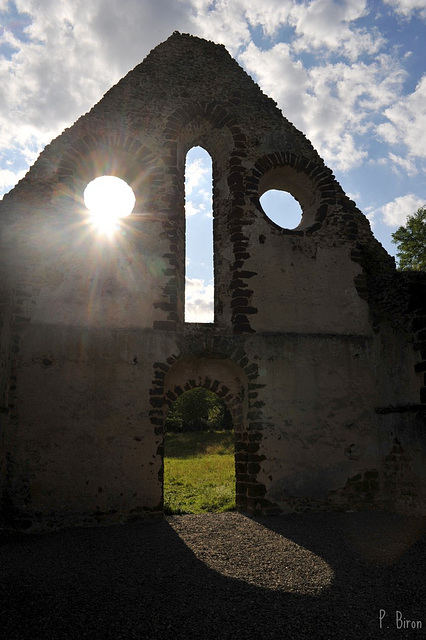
{"type": "Point", "coordinates": [222, 21]}
{"type": "Point", "coordinates": [199, 301]}
{"type": "Point", "coordinates": [196, 175]}
{"type": "Point", "coordinates": [279, 74]}
{"type": "Point", "coordinates": [395, 213]}
{"type": "Point", "coordinates": [269, 14]}
{"type": "Point", "coordinates": [333, 104]}
{"type": "Point", "coordinates": [343, 152]}
{"type": "Point", "coordinates": [370, 214]}
{"type": "Point", "coordinates": [408, 8]}
{"type": "Point", "coordinates": [342, 104]}
{"type": "Point", "coordinates": [318, 24]}
{"type": "Point", "coordinates": [72, 52]}
{"type": "Point", "coordinates": [353, 196]}
{"type": "Point", "coordinates": [404, 164]}
{"type": "Point", "coordinates": [328, 24]}
{"type": "Point", "coordinates": [9, 178]}
{"type": "Point", "coordinates": [191, 208]}
{"type": "Point", "coordinates": [407, 122]}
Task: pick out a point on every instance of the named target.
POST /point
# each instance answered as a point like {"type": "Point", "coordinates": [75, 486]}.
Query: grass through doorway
{"type": "Point", "coordinates": [199, 472]}
{"type": "Point", "coordinates": [199, 462]}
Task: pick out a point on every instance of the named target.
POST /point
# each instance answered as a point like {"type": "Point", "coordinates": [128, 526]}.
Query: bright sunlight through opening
{"type": "Point", "coordinates": [108, 199]}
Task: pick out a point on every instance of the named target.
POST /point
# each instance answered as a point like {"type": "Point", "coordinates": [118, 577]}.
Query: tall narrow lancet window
{"type": "Point", "coordinates": [199, 274]}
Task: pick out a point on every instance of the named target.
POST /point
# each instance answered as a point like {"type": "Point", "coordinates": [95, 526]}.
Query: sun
{"type": "Point", "coordinates": [108, 199]}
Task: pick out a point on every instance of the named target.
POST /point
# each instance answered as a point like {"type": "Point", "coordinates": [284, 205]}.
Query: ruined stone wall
{"type": "Point", "coordinates": [322, 370]}
{"type": "Point", "coordinates": [6, 378]}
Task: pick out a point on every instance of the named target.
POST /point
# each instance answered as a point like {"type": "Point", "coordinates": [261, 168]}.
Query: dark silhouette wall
{"type": "Point", "coordinates": [317, 348]}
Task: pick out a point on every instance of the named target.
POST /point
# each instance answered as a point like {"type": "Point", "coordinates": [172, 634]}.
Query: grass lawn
{"type": "Point", "coordinates": [199, 472]}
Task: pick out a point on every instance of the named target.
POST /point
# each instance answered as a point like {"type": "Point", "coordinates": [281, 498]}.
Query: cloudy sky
{"type": "Point", "coordinates": [349, 73]}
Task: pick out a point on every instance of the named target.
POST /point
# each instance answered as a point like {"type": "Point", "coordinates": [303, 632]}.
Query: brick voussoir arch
{"type": "Point", "coordinates": [213, 113]}
{"type": "Point", "coordinates": [121, 155]}
{"type": "Point", "coordinates": [321, 178]}
{"type": "Point", "coordinates": [212, 116]}
{"type": "Point", "coordinates": [250, 493]}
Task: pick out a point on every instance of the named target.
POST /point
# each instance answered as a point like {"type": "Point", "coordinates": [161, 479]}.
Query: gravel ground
{"type": "Point", "coordinates": [317, 576]}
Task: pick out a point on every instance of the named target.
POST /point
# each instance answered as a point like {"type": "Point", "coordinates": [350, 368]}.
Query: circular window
{"type": "Point", "coordinates": [281, 208]}
{"type": "Point", "coordinates": [108, 199]}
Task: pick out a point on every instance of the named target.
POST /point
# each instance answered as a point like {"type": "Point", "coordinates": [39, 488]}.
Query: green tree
{"type": "Point", "coordinates": [411, 241]}
{"type": "Point", "coordinates": [198, 410]}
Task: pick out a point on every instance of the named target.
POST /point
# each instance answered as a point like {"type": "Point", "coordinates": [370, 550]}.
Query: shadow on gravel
{"type": "Point", "coordinates": [221, 576]}
{"type": "Point", "coordinates": [379, 563]}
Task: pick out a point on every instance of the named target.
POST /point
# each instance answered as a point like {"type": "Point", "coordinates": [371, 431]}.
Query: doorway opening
{"type": "Point", "coordinates": [199, 455]}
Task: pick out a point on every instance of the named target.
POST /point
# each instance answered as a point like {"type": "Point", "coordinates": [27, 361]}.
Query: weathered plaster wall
{"type": "Point", "coordinates": [321, 298]}
{"type": "Point", "coordinates": [317, 348]}
{"type": "Point", "coordinates": [83, 434]}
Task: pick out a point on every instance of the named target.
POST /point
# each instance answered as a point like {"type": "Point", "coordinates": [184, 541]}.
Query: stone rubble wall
{"type": "Point", "coordinates": [317, 347]}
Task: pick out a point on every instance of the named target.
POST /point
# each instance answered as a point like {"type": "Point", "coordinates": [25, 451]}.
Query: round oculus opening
{"type": "Point", "coordinates": [282, 208]}
{"type": "Point", "coordinates": [108, 199]}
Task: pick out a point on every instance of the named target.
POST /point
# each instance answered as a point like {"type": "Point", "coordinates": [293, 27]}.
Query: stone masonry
{"type": "Point", "coordinates": [318, 345]}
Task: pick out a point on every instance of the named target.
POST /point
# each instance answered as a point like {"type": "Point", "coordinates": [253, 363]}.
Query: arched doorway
{"type": "Point", "coordinates": [199, 454]}
{"type": "Point", "coordinates": [220, 375]}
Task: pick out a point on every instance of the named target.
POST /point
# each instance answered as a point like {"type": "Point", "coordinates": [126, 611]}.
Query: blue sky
{"type": "Point", "coordinates": [349, 73]}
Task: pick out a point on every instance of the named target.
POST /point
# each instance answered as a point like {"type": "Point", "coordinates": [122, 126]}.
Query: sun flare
{"type": "Point", "coordinates": [108, 199]}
